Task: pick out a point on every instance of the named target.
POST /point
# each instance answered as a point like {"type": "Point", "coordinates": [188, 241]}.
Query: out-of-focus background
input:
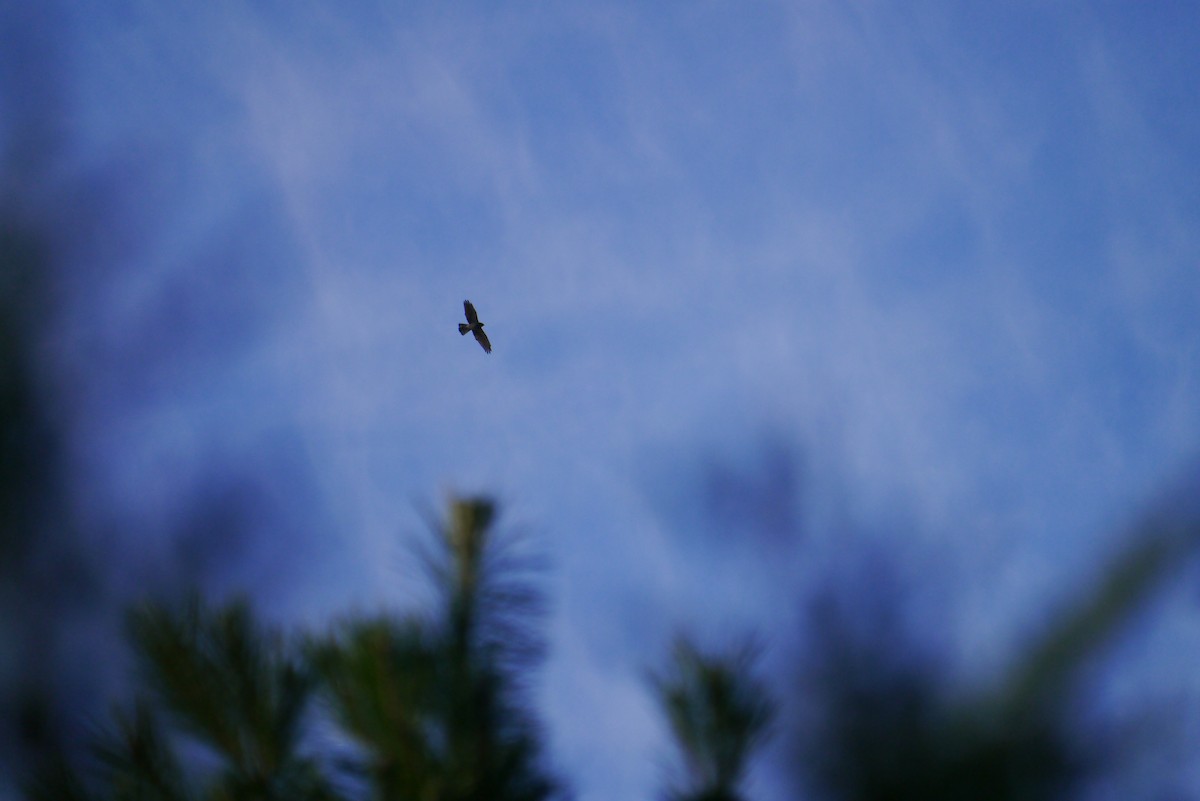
{"type": "Point", "coordinates": [893, 301]}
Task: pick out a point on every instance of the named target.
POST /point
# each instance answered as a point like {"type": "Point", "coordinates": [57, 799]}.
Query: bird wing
{"type": "Point", "coordinates": [472, 317]}
{"type": "Point", "coordinates": [482, 339]}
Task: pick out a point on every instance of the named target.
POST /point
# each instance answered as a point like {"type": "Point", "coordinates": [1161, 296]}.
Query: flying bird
{"type": "Point", "coordinates": [474, 326]}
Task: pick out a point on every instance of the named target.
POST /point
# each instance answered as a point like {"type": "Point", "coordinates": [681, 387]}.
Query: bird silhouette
{"type": "Point", "coordinates": [474, 326]}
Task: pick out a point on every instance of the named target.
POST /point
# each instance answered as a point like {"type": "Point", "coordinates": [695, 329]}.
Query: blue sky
{"type": "Point", "coordinates": [945, 254]}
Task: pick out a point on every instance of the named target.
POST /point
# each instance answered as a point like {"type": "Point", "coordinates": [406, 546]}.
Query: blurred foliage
{"type": "Point", "coordinates": [48, 578]}
{"type": "Point", "coordinates": [234, 687]}
{"type": "Point", "coordinates": [718, 713]}
{"type": "Point", "coordinates": [216, 686]}
{"type": "Point", "coordinates": [436, 701]}
{"type": "Point", "coordinates": [431, 702]}
{"type": "Point", "coordinates": [884, 724]}
{"type": "Point", "coordinates": [72, 556]}
{"type": "Point", "coordinates": [881, 726]}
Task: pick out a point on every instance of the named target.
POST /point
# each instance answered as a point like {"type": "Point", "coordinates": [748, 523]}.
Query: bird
{"type": "Point", "coordinates": [474, 326]}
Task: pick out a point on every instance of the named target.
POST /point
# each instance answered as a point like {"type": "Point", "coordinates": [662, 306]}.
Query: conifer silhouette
{"type": "Point", "coordinates": [436, 701]}
{"type": "Point", "coordinates": [718, 714]}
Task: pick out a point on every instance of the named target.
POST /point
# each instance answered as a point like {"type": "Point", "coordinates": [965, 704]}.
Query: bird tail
{"type": "Point", "coordinates": [464, 329]}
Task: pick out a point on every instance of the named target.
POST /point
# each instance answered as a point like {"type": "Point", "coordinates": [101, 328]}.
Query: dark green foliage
{"type": "Point", "coordinates": [1158, 547]}
{"type": "Point", "coordinates": [380, 675]}
{"type": "Point", "coordinates": [235, 688]}
{"type": "Point", "coordinates": [139, 762]}
{"type": "Point", "coordinates": [57, 780]}
{"type": "Point", "coordinates": [432, 705]}
{"type": "Point", "coordinates": [49, 580]}
{"type": "Point", "coordinates": [886, 728]}
{"type": "Point", "coordinates": [885, 731]}
{"type": "Point", "coordinates": [217, 680]}
{"type": "Point", "coordinates": [435, 702]}
{"type": "Point", "coordinates": [718, 713]}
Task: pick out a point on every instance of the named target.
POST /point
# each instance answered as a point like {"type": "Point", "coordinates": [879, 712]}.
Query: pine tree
{"type": "Point", "coordinates": [718, 714]}
{"type": "Point", "coordinates": [436, 702]}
